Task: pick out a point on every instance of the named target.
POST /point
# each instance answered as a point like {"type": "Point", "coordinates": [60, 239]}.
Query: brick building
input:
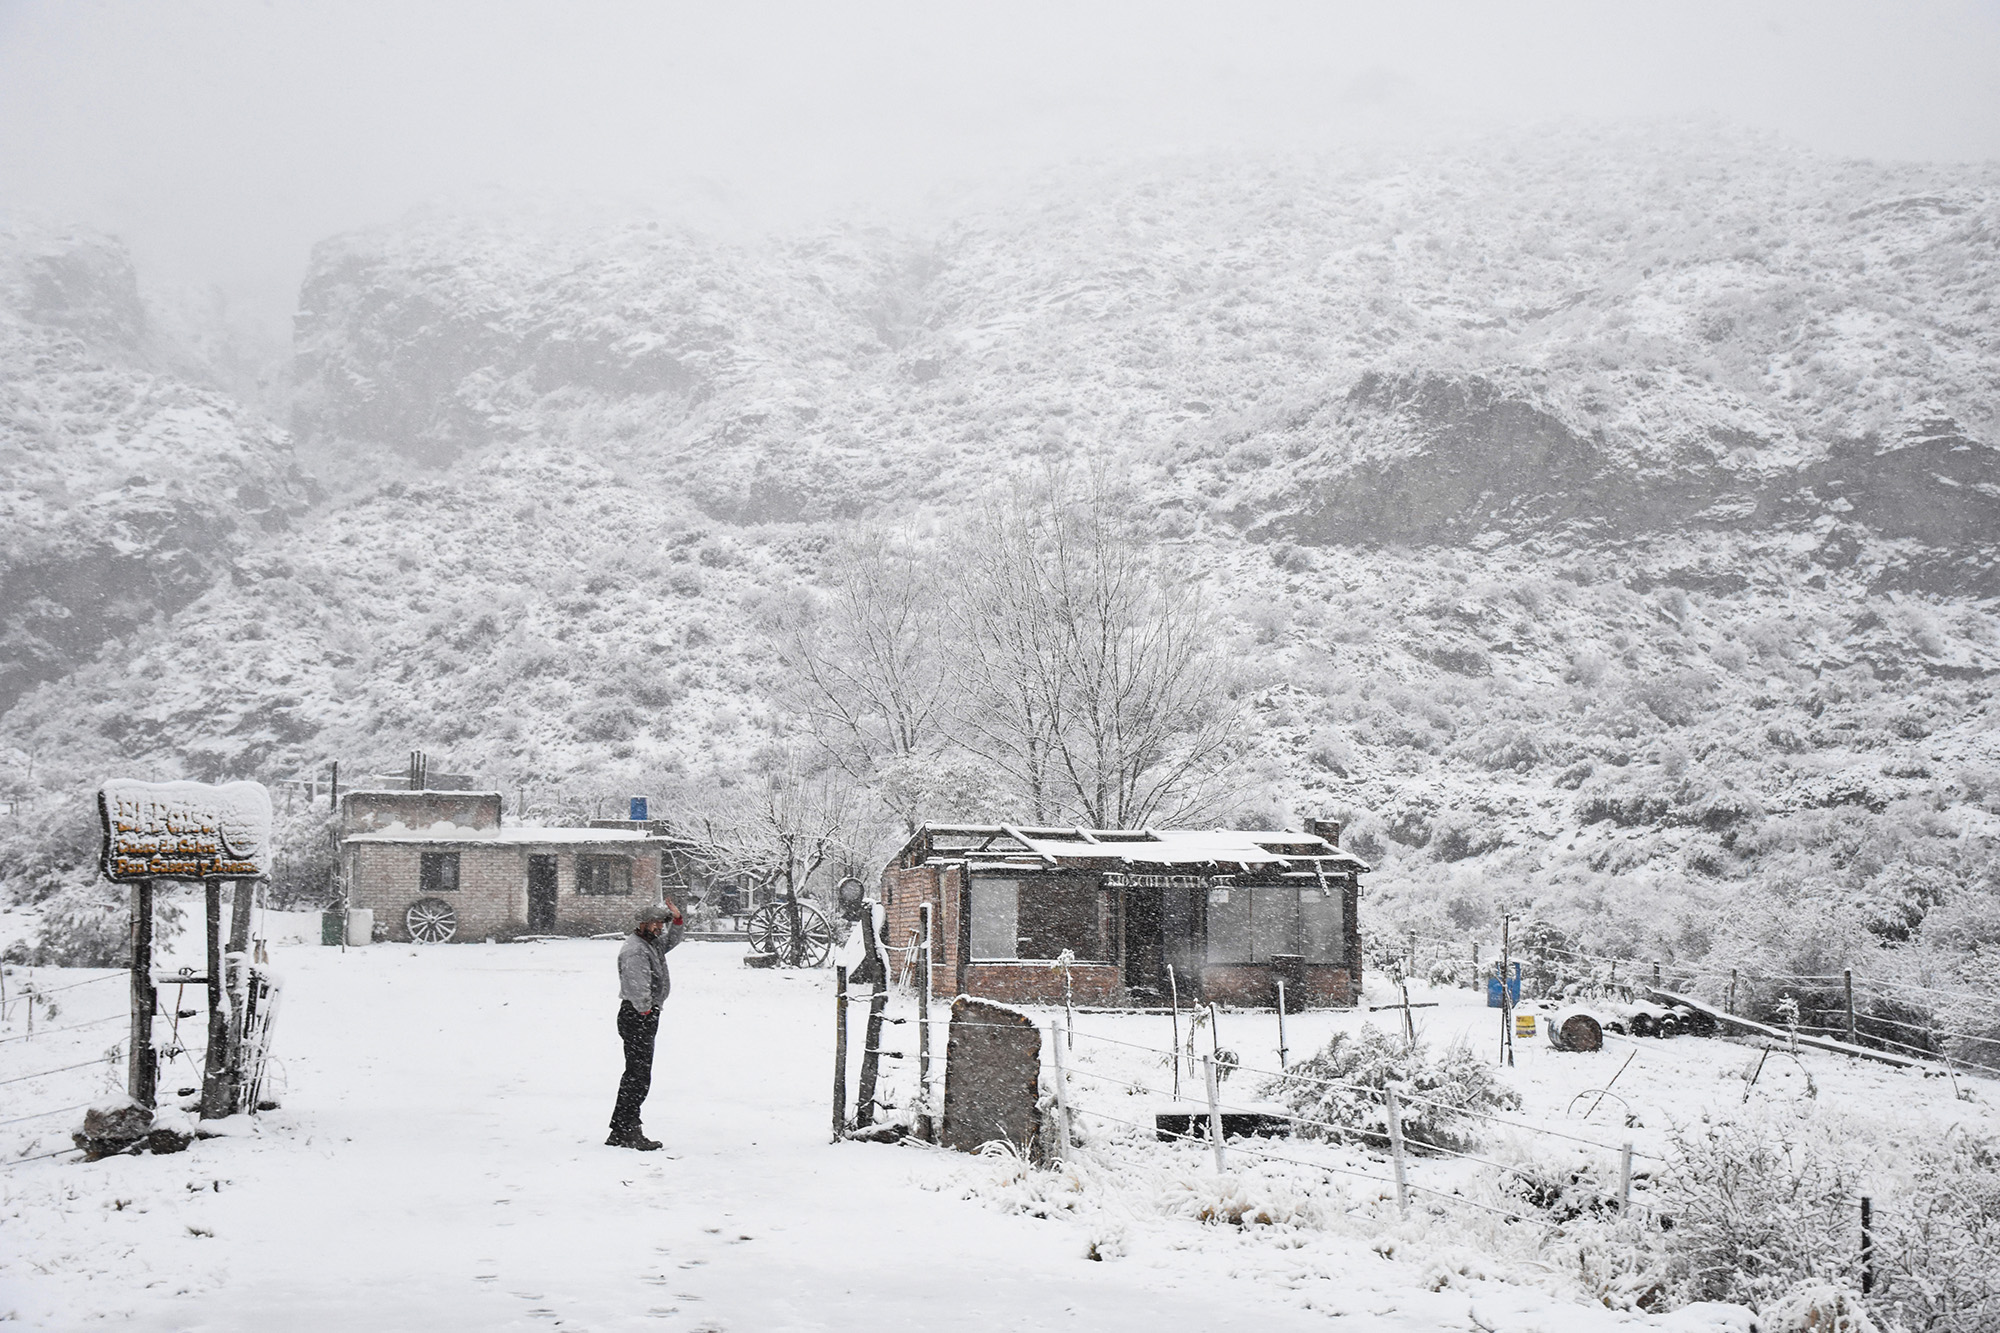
{"type": "Point", "coordinates": [1230, 912]}
{"type": "Point", "coordinates": [442, 864]}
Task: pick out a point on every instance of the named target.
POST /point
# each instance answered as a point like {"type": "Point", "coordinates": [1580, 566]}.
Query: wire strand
{"type": "Point", "coordinates": [74, 1027]}
{"type": "Point", "coordinates": [23, 1078]}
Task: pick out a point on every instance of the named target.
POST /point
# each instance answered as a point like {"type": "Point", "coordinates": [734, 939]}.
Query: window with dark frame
{"type": "Point", "coordinates": [438, 872]}
{"type": "Point", "coordinates": [1033, 916]}
{"type": "Point", "coordinates": [1256, 923]}
{"type": "Point", "coordinates": [604, 876]}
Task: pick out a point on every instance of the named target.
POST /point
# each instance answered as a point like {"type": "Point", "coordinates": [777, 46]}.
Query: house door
{"type": "Point", "coordinates": [1179, 930]}
{"type": "Point", "coordinates": [541, 893]}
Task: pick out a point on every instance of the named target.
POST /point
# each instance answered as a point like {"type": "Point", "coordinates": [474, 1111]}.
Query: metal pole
{"type": "Point", "coordinates": [1062, 1099]}
{"type": "Point", "coordinates": [1507, 994]}
{"type": "Point", "coordinates": [1214, 1112]}
{"type": "Point", "coordinates": [1174, 1003]}
{"type": "Point", "coordinates": [1847, 976]}
{"type": "Point", "coordinates": [1069, 1009]}
{"type": "Point", "coordinates": [1625, 1178]}
{"type": "Point", "coordinates": [1396, 1149]}
{"type": "Point", "coordinates": [1732, 990]}
{"type": "Point", "coordinates": [1283, 1065]}
{"type": "Point", "coordinates": [142, 1076]}
{"type": "Point", "coordinates": [924, 1009]}
{"type": "Point", "coordinates": [839, 1052]}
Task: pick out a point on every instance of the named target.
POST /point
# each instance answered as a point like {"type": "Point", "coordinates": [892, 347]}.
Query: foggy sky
{"type": "Point", "coordinates": [222, 139]}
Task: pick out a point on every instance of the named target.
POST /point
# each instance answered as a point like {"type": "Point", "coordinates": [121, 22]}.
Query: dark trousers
{"type": "Point", "coordinates": [638, 1032]}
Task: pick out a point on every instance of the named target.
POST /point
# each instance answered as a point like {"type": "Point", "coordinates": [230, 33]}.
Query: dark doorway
{"type": "Point", "coordinates": [1160, 930]}
{"type": "Point", "coordinates": [1180, 927]}
{"type": "Point", "coordinates": [541, 893]}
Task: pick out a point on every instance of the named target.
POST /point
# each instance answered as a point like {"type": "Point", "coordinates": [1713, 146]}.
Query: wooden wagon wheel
{"type": "Point", "coordinates": [764, 927]}
{"type": "Point", "coordinates": [431, 921]}
{"type": "Point", "coordinates": [815, 936]}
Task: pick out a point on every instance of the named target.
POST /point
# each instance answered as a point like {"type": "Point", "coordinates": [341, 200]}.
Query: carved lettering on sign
{"type": "Point", "coordinates": [185, 830]}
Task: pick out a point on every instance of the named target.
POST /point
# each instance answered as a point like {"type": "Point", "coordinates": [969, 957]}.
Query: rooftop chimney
{"type": "Point", "coordinates": [1325, 828]}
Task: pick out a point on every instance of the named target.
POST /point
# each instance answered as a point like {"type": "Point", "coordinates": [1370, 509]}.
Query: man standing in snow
{"type": "Point", "coordinates": [642, 989]}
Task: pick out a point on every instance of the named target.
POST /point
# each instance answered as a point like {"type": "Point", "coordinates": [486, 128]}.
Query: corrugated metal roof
{"type": "Point", "coordinates": [998, 843]}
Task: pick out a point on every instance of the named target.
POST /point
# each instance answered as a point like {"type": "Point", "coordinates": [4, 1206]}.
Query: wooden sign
{"type": "Point", "coordinates": [185, 830]}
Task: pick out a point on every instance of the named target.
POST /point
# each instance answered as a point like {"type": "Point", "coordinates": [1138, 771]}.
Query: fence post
{"type": "Point", "coordinates": [1174, 1003]}
{"type": "Point", "coordinates": [142, 1071]}
{"type": "Point", "coordinates": [1475, 965]}
{"type": "Point", "coordinates": [1625, 1178]}
{"type": "Point", "coordinates": [1867, 1245]}
{"type": "Point", "coordinates": [1283, 1066]}
{"type": "Point", "coordinates": [1506, 995]}
{"type": "Point", "coordinates": [839, 1051]}
{"type": "Point", "coordinates": [1847, 977]}
{"type": "Point", "coordinates": [1214, 1112]}
{"type": "Point", "coordinates": [1062, 1099]}
{"type": "Point", "coordinates": [1396, 1149]}
{"type": "Point", "coordinates": [1410, 968]}
{"type": "Point", "coordinates": [1732, 990]}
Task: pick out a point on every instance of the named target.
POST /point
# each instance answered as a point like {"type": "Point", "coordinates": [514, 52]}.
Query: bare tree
{"type": "Point", "coordinates": [1095, 682]}
{"type": "Point", "coordinates": [869, 671]}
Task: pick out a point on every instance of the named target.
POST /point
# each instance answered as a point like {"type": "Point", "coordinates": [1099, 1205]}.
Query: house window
{"type": "Point", "coordinates": [604, 876]}
{"type": "Point", "coordinates": [1323, 924]}
{"type": "Point", "coordinates": [438, 872]}
{"type": "Point", "coordinates": [996, 918]}
{"type": "Point", "coordinates": [1035, 916]}
{"type": "Point", "coordinates": [1256, 923]}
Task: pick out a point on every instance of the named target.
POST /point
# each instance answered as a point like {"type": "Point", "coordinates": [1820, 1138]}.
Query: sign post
{"type": "Point", "coordinates": [142, 1077]}
{"type": "Point", "coordinates": [193, 832]}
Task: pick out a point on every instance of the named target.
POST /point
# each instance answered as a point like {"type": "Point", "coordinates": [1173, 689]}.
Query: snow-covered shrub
{"type": "Point", "coordinates": [1759, 1205]}
{"type": "Point", "coordinates": [1819, 1307]}
{"type": "Point", "coordinates": [1337, 1093]}
{"type": "Point", "coordinates": [1937, 1240]}
{"type": "Point", "coordinates": [90, 925]}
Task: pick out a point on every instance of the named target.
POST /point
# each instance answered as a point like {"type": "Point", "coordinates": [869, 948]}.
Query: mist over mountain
{"type": "Point", "coordinates": [1608, 521]}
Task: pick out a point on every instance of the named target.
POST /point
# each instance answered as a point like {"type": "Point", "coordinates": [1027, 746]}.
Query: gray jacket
{"type": "Point", "coordinates": [642, 968]}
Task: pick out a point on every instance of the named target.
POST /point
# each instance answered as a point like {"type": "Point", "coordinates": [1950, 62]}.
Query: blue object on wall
{"type": "Point", "coordinates": [638, 808]}
{"type": "Point", "coordinates": [1513, 987]}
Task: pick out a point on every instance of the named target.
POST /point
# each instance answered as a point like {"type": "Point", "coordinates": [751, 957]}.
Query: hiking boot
{"type": "Point", "coordinates": [635, 1140]}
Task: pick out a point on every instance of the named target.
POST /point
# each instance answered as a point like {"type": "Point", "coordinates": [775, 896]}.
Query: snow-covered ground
{"type": "Point", "coordinates": [437, 1163]}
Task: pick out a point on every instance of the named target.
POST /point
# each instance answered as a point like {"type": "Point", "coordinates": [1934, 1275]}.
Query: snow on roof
{"type": "Point", "coordinates": [185, 830]}
{"type": "Point", "coordinates": [509, 835]}
{"type": "Point", "coordinates": [1241, 847]}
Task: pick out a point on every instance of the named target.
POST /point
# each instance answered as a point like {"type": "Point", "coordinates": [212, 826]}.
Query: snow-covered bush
{"type": "Point", "coordinates": [90, 925]}
{"type": "Point", "coordinates": [1759, 1205]}
{"type": "Point", "coordinates": [1937, 1239]}
{"type": "Point", "coordinates": [1338, 1092]}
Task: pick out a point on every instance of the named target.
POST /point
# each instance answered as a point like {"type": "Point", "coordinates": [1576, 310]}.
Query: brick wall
{"type": "Point", "coordinates": [903, 890]}
{"type": "Point", "coordinates": [1033, 981]}
{"type": "Point", "coordinates": [492, 895]}
{"type": "Point", "coordinates": [595, 914]}
{"type": "Point", "coordinates": [1256, 985]}
{"type": "Point", "coordinates": [365, 811]}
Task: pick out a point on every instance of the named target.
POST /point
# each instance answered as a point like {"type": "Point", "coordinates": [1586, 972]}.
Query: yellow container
{"type": "Point", "coordinates": [1524, 1025]}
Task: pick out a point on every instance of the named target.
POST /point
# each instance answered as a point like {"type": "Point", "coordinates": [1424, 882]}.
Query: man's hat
{"type": "Point", "coordinates": [658, 913]}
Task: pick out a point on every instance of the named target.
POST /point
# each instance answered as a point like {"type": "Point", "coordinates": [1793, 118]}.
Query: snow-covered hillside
{"type": "Point", "coordinates": [1608, 521]}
